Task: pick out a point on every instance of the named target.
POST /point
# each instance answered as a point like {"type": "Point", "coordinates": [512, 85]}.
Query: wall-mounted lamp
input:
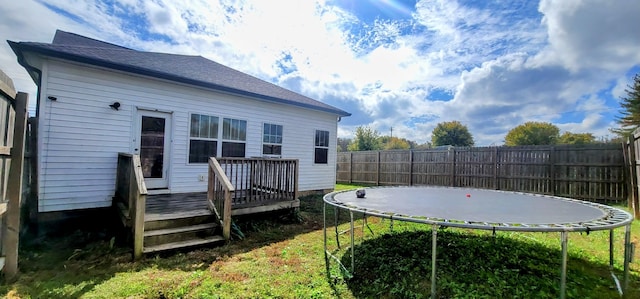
{"type": "Point", "coordinates": [115, 105]}
{"type": "Point", "coordinates": [52, 98]}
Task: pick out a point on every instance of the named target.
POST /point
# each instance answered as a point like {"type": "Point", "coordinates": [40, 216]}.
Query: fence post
{"type": "Point", "coordinates": [552, 169]}
{"type": "Point", "coordinates": [351, 180]}
{"type": "Point", "coordinates": [453, 168]}
{"type": "Point", "coordinates": [378, 171]}
{"type": "Point", "coordinates": [410, 167]}
{"type": "Point", "coordinates": [630, 153]}
{"type": "Point", "coordinates": [495, 168]}
{"type": "Point", "coordinates": [14, 187]}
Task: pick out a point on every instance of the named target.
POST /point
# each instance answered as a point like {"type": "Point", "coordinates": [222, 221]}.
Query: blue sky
{"type": "Point", "coordinates": [410, 65]}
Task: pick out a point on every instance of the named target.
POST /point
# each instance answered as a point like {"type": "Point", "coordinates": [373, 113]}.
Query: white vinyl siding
{"type": "Point", "coordinates": [80, 135]}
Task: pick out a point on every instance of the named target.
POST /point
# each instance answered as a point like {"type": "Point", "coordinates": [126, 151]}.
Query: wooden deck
{"type": "Point", "coordinates": [239, 186]}
{"type": "Point", "coordinates": [167, 206]}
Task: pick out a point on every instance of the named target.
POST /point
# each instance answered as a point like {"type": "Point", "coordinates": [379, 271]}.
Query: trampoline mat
{"type": "Point", "coordinates": [472, 205]}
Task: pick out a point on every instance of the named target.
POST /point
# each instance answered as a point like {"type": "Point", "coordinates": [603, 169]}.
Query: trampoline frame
{"type": "Point", "coordinates": [614, 218]}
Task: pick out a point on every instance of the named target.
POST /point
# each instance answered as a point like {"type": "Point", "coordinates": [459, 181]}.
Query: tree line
{"type": "Point", "coordinates": [454, 133]}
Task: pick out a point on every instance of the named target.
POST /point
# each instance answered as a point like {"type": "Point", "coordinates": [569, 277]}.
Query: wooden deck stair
{"type": "Point", "coordinates": [179, 231]}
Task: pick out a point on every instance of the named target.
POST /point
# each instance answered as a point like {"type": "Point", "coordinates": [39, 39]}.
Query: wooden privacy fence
{"type": "Point", "coordinates": [632, 160]}
{"type": "Point", "coordinates": [590, 172]}
{"type": "Point", "coordinates": [13, 120]}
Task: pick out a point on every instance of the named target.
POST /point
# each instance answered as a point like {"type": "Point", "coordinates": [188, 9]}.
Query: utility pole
{"type": "Point", "coordinates": [391, 132]}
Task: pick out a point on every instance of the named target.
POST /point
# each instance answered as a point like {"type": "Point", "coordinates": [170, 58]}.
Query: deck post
{"type": "Point", "coordinates": [226, 223]}
{"type": "Point", "coordinates": [295, 179]}
{"type": "Point", "coordinates": [138, 192]}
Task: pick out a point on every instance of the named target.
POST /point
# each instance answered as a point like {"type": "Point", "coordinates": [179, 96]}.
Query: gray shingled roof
{"type": "Point", "coordinates": [194, 70]}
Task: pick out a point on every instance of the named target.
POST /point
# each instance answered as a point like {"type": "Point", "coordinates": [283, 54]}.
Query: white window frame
{"type": "Point", "coordinates": [316, 146]}
{"type": "Point", "coordinates": [233, 137]}
{"type": "Point", "coordinates": [276, 143]}
{"type": "Point", "coordinates": [216, 138]}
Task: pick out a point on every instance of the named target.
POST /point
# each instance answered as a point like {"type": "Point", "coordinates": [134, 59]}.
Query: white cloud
{"type": "Point", "coordinates": [504, 63]}
{"type": "Point", "coordinates": [593, 34]}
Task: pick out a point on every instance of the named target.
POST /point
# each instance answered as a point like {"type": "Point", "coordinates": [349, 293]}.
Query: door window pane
{"type": "Point", "coordinates": [152, 146]}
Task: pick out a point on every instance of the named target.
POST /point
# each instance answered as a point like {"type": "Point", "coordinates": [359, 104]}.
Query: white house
{"type": "Point", "coordinates": [96, 99]}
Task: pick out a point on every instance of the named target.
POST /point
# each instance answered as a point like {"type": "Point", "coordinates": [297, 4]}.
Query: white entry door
{"type": "Point", "coordinates": [153, 146]}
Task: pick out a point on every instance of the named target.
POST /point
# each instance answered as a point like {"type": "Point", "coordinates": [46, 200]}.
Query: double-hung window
{"type": "Point", "coordinates": [321, 147]}
{"type": "Point", "coordinates": [271, 140]}
{"type": "Point", "coordinates": [234, 137]}
{"type": "Point", "coordinates": [203, 138]}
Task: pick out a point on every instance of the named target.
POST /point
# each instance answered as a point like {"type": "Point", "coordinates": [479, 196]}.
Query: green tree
{"type": "Point", "coordinates": [391, 143]}
{"type": "Point", "coordinates": [366, 139]}
{"type": "Point", "coordinates": [451, 133]}
{"type": "Point", "coordinates": [532, 133]}
{"type": "Point", "coordinates": [576, 138]}
{"type": "Point", "coordinates": [343, 144]}
{"type": "Point", "coordinates": [629, 118]}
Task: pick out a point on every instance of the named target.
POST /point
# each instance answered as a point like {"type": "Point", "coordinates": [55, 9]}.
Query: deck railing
{"type": "Point", "coordinates": [261, 180]}
{"type": "Point", "coordinates": [220, 191]}
{"type": "Point", "coordinates": [132, 192]}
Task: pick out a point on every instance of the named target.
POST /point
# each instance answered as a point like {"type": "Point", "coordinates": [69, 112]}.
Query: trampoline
{"type": "Point", "coordinates": [485, 210]}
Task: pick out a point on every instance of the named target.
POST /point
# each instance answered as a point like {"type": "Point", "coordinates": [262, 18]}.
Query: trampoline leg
{"type": "Point", "coordinates": [628, 251]}
{"type": "Point", "coordinates": [563, 272]}
{"type": "Point", "coordinates": [611, 249]}
{"type": "Point", "coordinates": [353, 264]}
{"type": "Point", "coordinates": [324, 227]}
{"type": "Point", "coordinates": [335, 210]}
{"type": "Point", "coordinates": [434, 243]}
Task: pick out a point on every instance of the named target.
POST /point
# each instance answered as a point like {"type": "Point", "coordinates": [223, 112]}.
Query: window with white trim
{"type": "Point", "coordinates": [203, 138]}
{"type": "Point", "coordinates": [321, 147]}
{"type": "Point", "coordinates": [234, 137]}
{"type": "Point", "coordinates": [271, 140]}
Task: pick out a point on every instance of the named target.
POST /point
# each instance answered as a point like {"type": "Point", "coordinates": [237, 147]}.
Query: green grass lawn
{"type": "Point", "coordinates": [282, 257]}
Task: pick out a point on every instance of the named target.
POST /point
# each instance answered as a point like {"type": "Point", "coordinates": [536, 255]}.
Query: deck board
{"type": "Point", "coordinates": [195, 203]}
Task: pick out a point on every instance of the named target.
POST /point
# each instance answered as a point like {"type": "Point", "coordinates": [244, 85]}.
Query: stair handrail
{"type": "Point", "coordinates": [131, 189]}
{"type": "Point", "coordinates": [220, 191]}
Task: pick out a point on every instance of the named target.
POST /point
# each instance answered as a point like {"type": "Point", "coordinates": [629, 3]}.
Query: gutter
{"type": "Point", "coordinates": [35, 73]}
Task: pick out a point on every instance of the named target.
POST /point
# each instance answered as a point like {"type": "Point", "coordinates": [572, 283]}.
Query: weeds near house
{"type": "Point", "coordinates": [281, 256]}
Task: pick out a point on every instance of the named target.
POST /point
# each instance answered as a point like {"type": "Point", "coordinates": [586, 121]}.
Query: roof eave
{"type": "Point", "coordinates": [20, 48]}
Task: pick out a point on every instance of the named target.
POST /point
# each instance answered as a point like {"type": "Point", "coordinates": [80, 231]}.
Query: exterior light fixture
{"type": "Point", "coordinates": [115, 105]}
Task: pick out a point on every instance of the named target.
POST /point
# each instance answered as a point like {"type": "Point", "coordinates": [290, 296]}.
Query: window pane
{"type": "Point", "coordinates": [242, 128]}
{"type": "Point", "coordinates": [201, 150]}
{"type": "Point", "coordinates": [195, 120]}
{"type": "Point", "coordinates": [213, 127]}
{"type": "Point", "coordinates": [204, 126]}
{"type": "Point", "coordinates": [322, 138]}
{"type": "Point", "coordinates": [267, 129]}
{"type": "Point", "coordinates": [233, 129]}
{"type": "Point", "coordinates": [321, 156]}
{"type": "Point", "coordinates": [233, 149]}
{"type": "Point", "coordinates": [272, 134]}
{"type": "Point", "coordinates": [270, 149]}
